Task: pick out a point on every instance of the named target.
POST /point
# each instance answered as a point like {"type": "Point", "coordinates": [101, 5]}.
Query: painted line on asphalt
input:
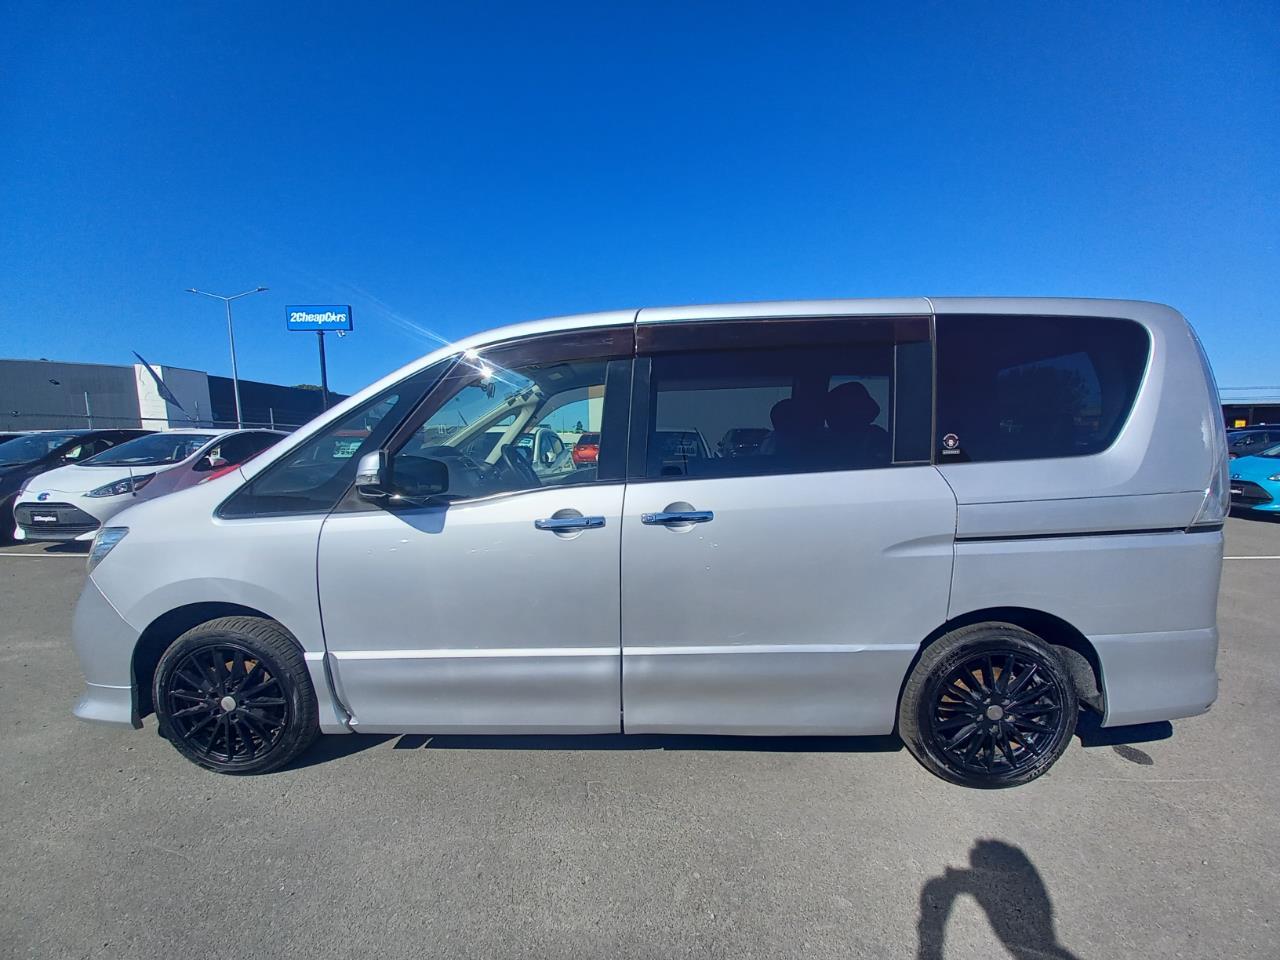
{"type": "Point", "coordinates": [1251, 558]}
{"type": "Point", "coordinates": [46, 556]}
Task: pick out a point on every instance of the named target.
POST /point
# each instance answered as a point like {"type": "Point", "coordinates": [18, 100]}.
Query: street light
{"type": "Point", "coordinates": [235, 376]}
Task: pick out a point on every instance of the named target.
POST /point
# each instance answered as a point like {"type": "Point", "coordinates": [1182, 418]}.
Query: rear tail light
{"type": "Point", "coordinates": [1217, 494]}
{"type": "Point", "coordinates": [1217, 497]}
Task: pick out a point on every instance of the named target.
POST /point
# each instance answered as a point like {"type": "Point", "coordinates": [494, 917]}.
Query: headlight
{"type": "Point", "coordinates": [1274, 478]}
{"type": "Point", "coordinates": [121, 487]}
{"type": "Point", "coordinates": [103, 544]}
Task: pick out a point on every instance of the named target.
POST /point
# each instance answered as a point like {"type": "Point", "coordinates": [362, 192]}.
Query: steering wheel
{"type": "Point", "coordinates": [513, 463]}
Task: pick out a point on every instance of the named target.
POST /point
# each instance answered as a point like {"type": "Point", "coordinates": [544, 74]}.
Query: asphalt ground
{"type": "Point", "coordinates": [1157, 843]}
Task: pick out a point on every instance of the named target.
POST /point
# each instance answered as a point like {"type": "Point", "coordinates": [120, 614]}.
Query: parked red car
{"type": "Point", "coordinates": [587, 450]}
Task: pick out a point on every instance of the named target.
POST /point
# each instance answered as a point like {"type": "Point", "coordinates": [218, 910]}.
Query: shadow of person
{"type": "Point", "coordinates": [1009, 890]}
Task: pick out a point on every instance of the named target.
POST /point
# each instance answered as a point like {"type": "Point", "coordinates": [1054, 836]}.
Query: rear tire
{"type": "Point", "coordinates": [233, 695]}
{"type": "Point", "coordinates": [988, 706]}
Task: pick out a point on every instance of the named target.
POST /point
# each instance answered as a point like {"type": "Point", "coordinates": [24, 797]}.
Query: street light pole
{"type": "Point", "coordinates": [231, 338]}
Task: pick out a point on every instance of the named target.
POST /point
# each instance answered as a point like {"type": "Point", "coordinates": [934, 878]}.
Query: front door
{"type": "Point", "coordinates": [496, 608]}
{"type": "Point", "coordinates": [781, 583]}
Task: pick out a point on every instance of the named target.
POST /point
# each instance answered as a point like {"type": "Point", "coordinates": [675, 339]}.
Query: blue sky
{"type": "Point", "coordinates": [452, 168]}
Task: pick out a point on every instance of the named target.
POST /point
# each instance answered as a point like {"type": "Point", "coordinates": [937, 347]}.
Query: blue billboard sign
{"type": "Point", "coordinates": [318, 318]}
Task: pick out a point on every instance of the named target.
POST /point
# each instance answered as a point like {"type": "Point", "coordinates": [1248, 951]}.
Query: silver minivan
{"type": "Point", "coordinates": [960, 520]}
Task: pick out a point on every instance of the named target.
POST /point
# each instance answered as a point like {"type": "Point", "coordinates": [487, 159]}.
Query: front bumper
{"type": "Point", "coordinates": [53, 521]}
{"type": "Point", "coordinates": [1251, 495]}
{"type": "Point", "coordinates": [112, 706]}
{"type": "Point", "coordinates": [104, 642]}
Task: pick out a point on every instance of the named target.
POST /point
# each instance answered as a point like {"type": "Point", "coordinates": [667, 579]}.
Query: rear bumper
{"type": "Point", "coordinates": [104, 642]}
{"type": "Point", "coordinates": [1158, 676]}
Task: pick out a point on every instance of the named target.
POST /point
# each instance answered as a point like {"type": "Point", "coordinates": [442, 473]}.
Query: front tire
{"type": "Point", "coordinates": [988, 706]}
{"type": "Point", "coordinates": [233, 696]}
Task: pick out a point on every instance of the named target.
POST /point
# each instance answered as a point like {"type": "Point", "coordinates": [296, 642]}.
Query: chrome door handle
{"type": "Point", "coordinates": [675, 517]}
{"type": "Point", "coordinates": [569, 523]}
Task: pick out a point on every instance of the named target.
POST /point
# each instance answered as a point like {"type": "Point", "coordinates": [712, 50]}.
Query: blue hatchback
{"type": "Point", "coordinates": [1255, 481]}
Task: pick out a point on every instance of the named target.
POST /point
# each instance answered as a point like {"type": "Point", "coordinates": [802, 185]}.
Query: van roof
{"type": "Point", "coordinates": [1145, 311]}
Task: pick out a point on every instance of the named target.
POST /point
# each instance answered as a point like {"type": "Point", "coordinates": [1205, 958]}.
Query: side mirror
{"type": "Point", "coordinates": [416, 480]}
{"type": "Point", "coordinates": [203, 465]}
{"type": "Point", "coordinates": [369, 474]}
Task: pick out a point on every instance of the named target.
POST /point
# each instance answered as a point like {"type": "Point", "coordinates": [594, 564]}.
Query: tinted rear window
{"type": "Point", "coordinates": [1027, 388]}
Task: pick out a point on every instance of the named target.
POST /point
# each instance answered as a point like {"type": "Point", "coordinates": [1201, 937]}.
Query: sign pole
{"type": "Point", "coordinates": [324, 374]}
{"type": "Point", "coordinates": [321, 320]}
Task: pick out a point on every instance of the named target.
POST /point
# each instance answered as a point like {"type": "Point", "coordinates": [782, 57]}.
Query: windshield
{"type": "Point", "coordinates": [150, 451]}
{"type": "Point", "coordinates": [1272, 452]}
{"type": "Point", "coordinates": [33, 447]}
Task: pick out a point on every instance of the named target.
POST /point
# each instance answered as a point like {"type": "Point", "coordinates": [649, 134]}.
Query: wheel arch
{"type": "Point", "coordinates": [168, 627]}
{"type": "Point", "coordinates": [1077, 653]}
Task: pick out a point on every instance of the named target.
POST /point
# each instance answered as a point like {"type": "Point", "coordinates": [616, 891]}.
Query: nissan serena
{"type": "Point", "coordinates": [960, 520]}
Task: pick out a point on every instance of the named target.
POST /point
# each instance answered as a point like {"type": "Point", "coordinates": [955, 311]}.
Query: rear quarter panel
{"type": "Point", "coordinates": [1099, 541]}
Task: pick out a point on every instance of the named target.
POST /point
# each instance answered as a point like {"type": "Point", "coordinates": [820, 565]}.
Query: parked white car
{"type": "Point", "coordinates": [72, 502]}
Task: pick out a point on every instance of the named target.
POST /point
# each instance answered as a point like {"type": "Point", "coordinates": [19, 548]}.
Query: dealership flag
{"type": "Point", "coordinates": [165, 393]}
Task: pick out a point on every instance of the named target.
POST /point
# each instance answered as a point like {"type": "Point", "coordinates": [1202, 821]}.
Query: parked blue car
{"type": "Point", "coordinates": [1255, 481]}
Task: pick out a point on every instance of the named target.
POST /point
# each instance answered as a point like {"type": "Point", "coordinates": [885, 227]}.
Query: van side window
{"type": "Point", "coordinates": [815, 396]}
{"type": "Point", "coordinates": [313, 477]}
{"type": "Point", "coordinates": [1027, 388]}
{"type": "Point", "coordinates": [505, 429]}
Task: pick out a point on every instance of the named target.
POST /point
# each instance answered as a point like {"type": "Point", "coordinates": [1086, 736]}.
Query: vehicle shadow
{"type": "Point", "coordinates": [650, 741]}
{"type": "Point", "coordinates": [76, 548]}
{"type": "Point", "coordinates": [329, 748]}
{"type": "Point", "coordinates": [1091, 733]}
{"type": "Point", "coordinates": [1008, 888]}
{"type": "Point", "coordinates": [79, 547]}
{"type": "Point", "coordinates": [1088, 730]}
{"type": "Point", "coordinates": [326, 749]}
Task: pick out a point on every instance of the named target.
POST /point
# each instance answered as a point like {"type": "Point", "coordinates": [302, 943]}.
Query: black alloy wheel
{"type": "Point", "coordinates": [988, 706]}
{"type": "Point", "coordinates": [227, 704]}
{"type": "Point", "coordinates": [996, 712]}
{"type": "Point", "coordinates": [233, 696]}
